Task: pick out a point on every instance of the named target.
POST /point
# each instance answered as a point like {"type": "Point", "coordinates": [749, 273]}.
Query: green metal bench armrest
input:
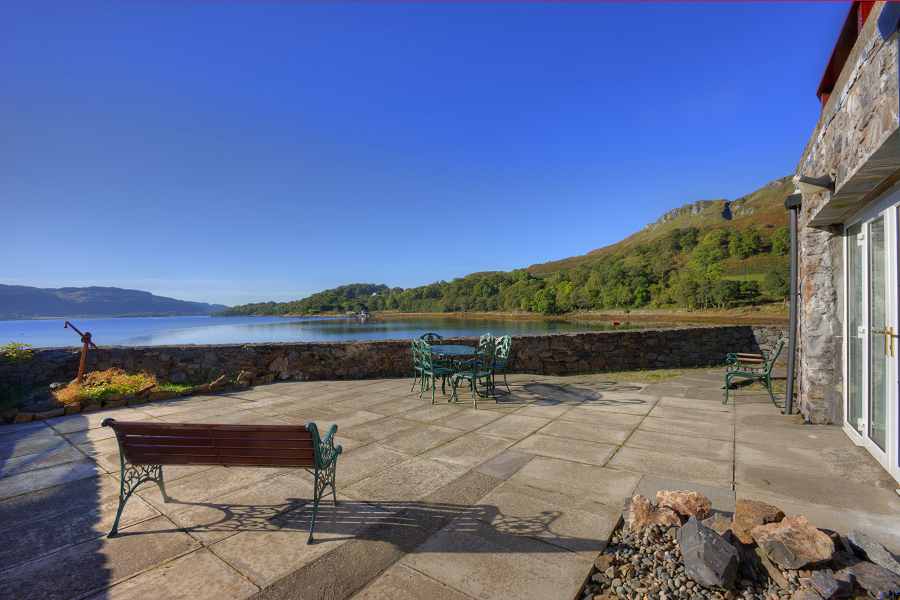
{"type": "Point", "coordinates": [328, 452]}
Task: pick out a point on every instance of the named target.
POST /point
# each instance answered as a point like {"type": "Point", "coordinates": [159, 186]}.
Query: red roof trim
{"type": "Point", "coordinates": [856, 18]}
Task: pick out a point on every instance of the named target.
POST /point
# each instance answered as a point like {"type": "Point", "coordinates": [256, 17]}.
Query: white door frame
{"type": "Point", "coordinates": [888, 206]}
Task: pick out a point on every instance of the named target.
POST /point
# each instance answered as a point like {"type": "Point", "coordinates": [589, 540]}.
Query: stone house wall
{"type": "Point", "coordinates": [858, 124]}
{"type": "Point", "coordinates": [545, 354]}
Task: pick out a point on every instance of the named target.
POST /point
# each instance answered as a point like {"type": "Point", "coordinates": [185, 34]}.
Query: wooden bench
{"type": "Point", "coordinates": [758, 367]}
{"type": "Point", "coordinates": [145, 447]}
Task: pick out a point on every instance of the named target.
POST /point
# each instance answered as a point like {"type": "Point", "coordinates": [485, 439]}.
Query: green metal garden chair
{"type": "Point", "coordinates": [501, 359]}
{"type": "Point", "coordinates": [417, 364]}
{"type": "Point", "coordinates": [431, 370]}
{"type": "Point", "coordinates": [480, 369]}
{"type": "Point", "coordinates": [754, 367]}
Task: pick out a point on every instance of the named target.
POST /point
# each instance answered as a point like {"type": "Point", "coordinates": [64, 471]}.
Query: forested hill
{"type": "Point", "coordinates": [345, 298]}
{"type": "Point", "coordinates": [706, 254]}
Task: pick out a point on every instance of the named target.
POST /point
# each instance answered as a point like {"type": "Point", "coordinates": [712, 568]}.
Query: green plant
{"type": "Point", "coordinates": [178, 388]}
{"type": "Point", "coordinates": [100, 385]}
{"type": "Point", "coordinates": [16, 352]}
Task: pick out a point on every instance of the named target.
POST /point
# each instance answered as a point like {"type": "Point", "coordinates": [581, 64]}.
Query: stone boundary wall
{"type": "Point", "coordinates": [559, 354]}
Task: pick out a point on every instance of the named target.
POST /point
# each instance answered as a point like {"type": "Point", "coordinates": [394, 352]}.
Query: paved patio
{"type": "Point", "coordinates": [442, 502]}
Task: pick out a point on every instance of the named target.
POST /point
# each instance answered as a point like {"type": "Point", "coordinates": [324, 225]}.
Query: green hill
{"type": "Point", "coordinates": [345, 298]}
{"type": "Point", "coordinates": [706, 254]}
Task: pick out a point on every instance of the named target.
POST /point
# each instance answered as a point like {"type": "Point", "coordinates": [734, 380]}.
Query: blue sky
{"type": "Point", "coordinates": [237, 151]}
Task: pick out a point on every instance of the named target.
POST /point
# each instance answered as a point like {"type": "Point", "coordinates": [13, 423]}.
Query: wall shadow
{"type": "Point", "coordinates": [50, 515]}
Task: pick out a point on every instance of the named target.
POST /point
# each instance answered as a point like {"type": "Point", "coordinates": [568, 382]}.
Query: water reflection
{"type": "Point", "coordinates": [158, 331]}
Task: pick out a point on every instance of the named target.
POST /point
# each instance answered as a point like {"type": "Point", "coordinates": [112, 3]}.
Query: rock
{"type": "Point", "coordinates": [603, 562]}
{"type": "Point", "coordinates": [876, 580]}
{"type": "Point", "coordinates": [718, 523]}
{"type": "Point", "coordinates": [684, 502]}
{"type": "Point", "coordinates": [825, 583]}
{"type": "Point", "coordinates": [772, 571]}
{"type": "Point", "coordinates": [640, 513]}
{"type": "Point", "coordinates": [708, 559]}
{"type": "Point", "coordinates": [868, 547]}
{"type": "Point", "coordinates": [793, 543]}
{"type": "Point", "coordinates": [71, 409]}
{"type": "Point", "coordinates": [56, 385]}
{"type": "Point", "coordinates": [750, 513]}
{"type": "Point", "coordinates": [806, 594]}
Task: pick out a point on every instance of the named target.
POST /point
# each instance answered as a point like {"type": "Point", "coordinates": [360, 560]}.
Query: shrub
{"type": "Point", "coordinates": [16, 352]}
{"type": "Point", "coordinates": [100, 385]}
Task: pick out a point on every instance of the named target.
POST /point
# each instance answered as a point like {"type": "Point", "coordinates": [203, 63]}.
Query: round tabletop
{"type": "Point", "coordinates": [453, 349]}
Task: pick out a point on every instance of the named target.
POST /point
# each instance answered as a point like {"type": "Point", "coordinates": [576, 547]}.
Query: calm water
{"type": "Point", "coordinates": [160, 331]}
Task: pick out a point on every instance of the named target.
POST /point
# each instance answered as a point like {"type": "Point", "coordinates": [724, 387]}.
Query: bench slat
{"type": "Point", "coordinates": [222, 452]}
{"type": "Point", "coordinates": [147, 440]}
{"type": "Point", "coordinates": [215, 444]}
{"type": "Point", "coordinates": [237, 461]}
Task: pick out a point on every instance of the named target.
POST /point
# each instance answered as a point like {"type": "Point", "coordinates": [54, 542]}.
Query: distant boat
{"type": "Point", "coordinates": [363, 315]}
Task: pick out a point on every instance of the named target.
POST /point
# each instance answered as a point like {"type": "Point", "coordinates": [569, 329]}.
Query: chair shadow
{"type": "Point", "coordinates": [405, 524]}
{"type": "Point", "coordinates": [550, 394]}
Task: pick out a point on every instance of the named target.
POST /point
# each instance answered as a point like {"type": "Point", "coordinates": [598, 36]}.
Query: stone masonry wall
{"type": "Point", "coordinates": [856, 122]}
{"type": "Point", "coordinates": [546, 354]}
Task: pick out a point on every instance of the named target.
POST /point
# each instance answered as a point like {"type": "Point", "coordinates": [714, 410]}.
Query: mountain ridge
{"type": "Point", "coordinates": [27, 302]}
{"type": "Point", "coordinates": [704, 254]}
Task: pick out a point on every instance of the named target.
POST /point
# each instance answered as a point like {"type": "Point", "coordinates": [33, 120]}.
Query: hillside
{"type": "Point", "coordinates": [341, 299]}
{"type": "Point", "coordinates": [763, 209]}
{"type": "Point", "coordinates": [705, 254]}
{"type": "Point", "coordinates": [24, 302]}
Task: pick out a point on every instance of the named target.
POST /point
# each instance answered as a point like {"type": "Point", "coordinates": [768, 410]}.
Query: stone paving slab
{"type": "Point", "coordinates": [403, 583]}
{"type": "Point", "coordinates": [441, 501]}
{"type": "Point", "coordinates": [556, 447]}
{"type": "Point", "coordinates": [196, 576]}
{"type": "Point", "coordinates": [484, 563]}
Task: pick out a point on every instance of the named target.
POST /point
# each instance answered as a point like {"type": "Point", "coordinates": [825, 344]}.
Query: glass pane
{"type": "Point", "coordinates": [877, 321]}
{"type": "Point", "coordinates": [856, 334]}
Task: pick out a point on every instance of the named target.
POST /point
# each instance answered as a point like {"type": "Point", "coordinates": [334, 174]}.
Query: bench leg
{"type": "Point", "coordinates": [727, 387]}
{"type": "Point", "coordinates": [324, 478]}
{"type": "Point", "coordinates": [162, 485]}
{"type": "Point", "coordinates": [130, 478]}
{"type": "Point", "coordinates": [312, 523]}
{"type": "Point", "coordinates": [768, 382]}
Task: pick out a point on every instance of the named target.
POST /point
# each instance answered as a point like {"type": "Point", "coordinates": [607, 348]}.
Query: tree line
{"type": "Point", "coordinates": [686, 268]}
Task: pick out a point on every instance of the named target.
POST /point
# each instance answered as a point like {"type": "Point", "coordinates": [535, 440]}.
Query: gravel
{"type": "Point", "coordinates": [647, 565]}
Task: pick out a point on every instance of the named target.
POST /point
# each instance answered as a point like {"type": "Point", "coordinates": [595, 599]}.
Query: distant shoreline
{"type": "Point", "coordinates": [767, 314]}
{"type": "Point", "coordinates": [136, 316]}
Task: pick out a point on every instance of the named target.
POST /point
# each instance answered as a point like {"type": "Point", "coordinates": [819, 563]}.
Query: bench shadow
{"type": "Point", "coordinates": [404, 524]}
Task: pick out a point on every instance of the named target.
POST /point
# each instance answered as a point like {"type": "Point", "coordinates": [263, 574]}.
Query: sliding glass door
{"type": "Point", "coordinates": [871, 390]}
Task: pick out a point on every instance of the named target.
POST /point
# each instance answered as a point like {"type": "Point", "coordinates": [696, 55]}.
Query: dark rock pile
{"type": "Point", "coordinates": [678, 549]}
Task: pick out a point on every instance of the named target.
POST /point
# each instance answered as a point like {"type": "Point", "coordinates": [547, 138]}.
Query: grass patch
{"type": "Point", "coordinates": [100, 385]}
{"type": "Point", "coordinates": [178, 388]}
{"type": "Point", "coordinates": [646, 376]}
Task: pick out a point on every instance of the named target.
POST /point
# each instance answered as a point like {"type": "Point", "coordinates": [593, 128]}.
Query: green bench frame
{"type": "Point", "coordinates": [755, 367]}
{"type": "Point", "coordinates": [145, 447]}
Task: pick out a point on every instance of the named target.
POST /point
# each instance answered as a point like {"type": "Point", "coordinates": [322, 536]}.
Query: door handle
{"type": "Point", "coordinates": [889, 335]}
